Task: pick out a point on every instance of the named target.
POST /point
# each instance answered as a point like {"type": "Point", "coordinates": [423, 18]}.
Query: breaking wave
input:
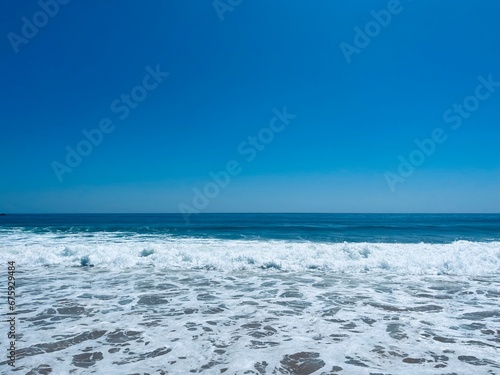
{"type": "Point", "coordinates": [114, 251]}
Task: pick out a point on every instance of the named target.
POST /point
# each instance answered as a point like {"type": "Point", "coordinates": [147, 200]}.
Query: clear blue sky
{"type": "Point", "coordinates": [353, 120]}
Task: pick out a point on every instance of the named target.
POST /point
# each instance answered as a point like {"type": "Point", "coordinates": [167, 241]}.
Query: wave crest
{"type": "Point", "coordinates": [108, 250]}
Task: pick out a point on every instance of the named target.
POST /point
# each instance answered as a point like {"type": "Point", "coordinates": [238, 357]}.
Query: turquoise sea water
{"type": "Point", "coordinates": [392, 228]}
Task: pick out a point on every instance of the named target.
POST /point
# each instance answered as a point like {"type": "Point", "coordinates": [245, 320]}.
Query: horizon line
{"type": "Point", "coordinates": [249, 213]}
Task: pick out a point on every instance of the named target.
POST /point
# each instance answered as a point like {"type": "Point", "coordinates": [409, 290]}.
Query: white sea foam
{"type": "Point", "coordinates": [118, 251]}
{"type": "Point", "coordinates": [83, 321]}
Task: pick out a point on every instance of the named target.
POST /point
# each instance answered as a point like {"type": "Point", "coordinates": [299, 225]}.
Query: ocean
{"type": "Point", "coordinates": [253, 293]}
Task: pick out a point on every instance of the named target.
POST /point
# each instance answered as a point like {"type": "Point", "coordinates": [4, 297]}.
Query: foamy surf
{"type": "Point", "coordinates": [239, 294]}
{"type": "Point", "coordinates": [81, 320]}
{"type": "Point", "coordinates": [118, 251]}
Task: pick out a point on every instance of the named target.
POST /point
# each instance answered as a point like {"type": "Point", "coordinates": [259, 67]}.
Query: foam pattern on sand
{"type": "Point", "coordinates": [86, 320]}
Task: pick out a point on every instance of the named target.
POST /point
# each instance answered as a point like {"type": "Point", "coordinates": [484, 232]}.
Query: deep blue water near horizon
{"type": "Point", "coordinates": [389, 228]}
